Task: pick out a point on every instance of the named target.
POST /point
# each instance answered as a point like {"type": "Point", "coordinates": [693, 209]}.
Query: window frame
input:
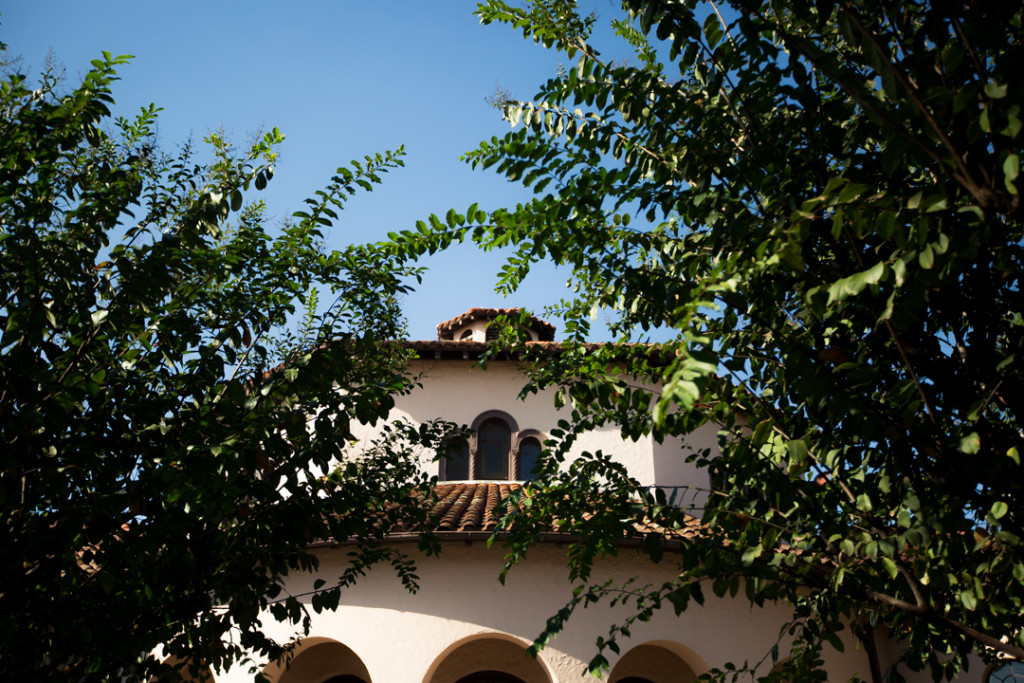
{"type": "Point", "coordinates": [517, 444]}
{"type": "Point", "coordinates": [517, 437]}
{"type": "Point", "coordinates": [994, 669]}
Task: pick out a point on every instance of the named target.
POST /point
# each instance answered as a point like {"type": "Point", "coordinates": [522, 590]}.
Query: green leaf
{"type": "Point", "coordinates": [890, 567]}
{"type": "Point", "coordinates": [761, 433]}
{"type": "Point", "coordinates": [834, 640]}
{"type": "Point", "coordinates": [926, 257]}
{"type": "Point", "coordinates": [1011, 169]}
{"type": "Point", "coordinates": [995, 90]}
{"type": "Point", "coordinates": [655, 547]}
{"type": "Point", "coordinates": [855, 284]}
{"type": "Point", "coordinates": [751, 554]}
{"type": "Point", "coordinates": [797, 452]}
{"type": "Point", "coordinates": [971, 443]}
{"type": "Point", "coordinates": [851, 192]}
{"type": "Point", "coordinates": [983, 120]}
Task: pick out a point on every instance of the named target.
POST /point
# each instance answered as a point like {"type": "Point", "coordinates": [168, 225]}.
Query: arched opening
{"type": "Point", "coordinates": [490, 677]}
{"type": "Point", "coordinates": [657, 662]}
{"type": "Point", "coordinates": [1007, 672]}
{"type": "Point", "coordinates": [494, 443]}
{"type": "Point", "coordinates": [319, 660]}
{"type": "Point", "coordinates": [529, 453]}
{"type": "Point", "coordinates": [455, 465]}
{"type": "Point", "coordinates": [488, 454]}
{"type": "Point", "coordinates": [487, 659]}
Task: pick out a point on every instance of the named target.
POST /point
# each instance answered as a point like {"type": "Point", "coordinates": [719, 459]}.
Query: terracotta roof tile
{"type": "Point", "coordinates": [447, 349]}
{"type": "Point", "coordinates": [469, 506]}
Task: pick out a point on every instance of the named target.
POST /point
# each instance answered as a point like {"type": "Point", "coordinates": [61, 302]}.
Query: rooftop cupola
{"type": "Point", "coordinates": [477, 324]}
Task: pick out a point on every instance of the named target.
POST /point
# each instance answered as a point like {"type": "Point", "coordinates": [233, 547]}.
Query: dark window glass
{"type": "Point", "coordinates": [490, 677]}
{"type": "Point", "coordinates": [494, 441]}
{"type": "Point", "coordinates": [456, 467]}
{"type": "Point", "coordinates": [492, 332]}
{"type": "Point", "coordinates": [1011, 672]}
{"type": "Point", "coordinates": [529, 451]}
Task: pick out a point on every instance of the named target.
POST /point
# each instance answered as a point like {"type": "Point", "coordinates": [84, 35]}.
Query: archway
{"type": "Point", "coordinates": [490, 677]}
{"type": "Point", "coordinates": [658, 661]}
{"type": "Point", "coordinates": [487, 658]}
{"type": "Point", "coordinates": [319, 660]}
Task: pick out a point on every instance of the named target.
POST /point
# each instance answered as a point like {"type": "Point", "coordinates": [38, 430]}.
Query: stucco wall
{"type": "Point", "coordinates": [459, 391]}
{"type": "Point", "coordinates": [463, 619]}
{"type": "Point", "coordinates": [404, 638]}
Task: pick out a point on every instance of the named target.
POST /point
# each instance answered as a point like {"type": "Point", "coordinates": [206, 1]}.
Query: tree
{"type": "Point", "coordinates": [819, 202]}
{"type": "Point", "coordinates": [168, 423]}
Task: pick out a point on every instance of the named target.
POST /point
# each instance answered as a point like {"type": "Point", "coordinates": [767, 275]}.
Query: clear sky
{"type": "Point", "coordinates": [341, 79]}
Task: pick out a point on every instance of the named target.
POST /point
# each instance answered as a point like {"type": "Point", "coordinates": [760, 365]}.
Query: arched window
{"type": "Point", "coordinates": [1009, 672]}
{"type": "Point", "coordinates": [494, 445]}
{"type": "Point", "coordinates": [528, 453]}
{"type": "Point", "coordinates": [455, 464]}
{"type": "Point", "coordinates": [490, 677]}
{"type": "Point", "coordinates": [497, 449]}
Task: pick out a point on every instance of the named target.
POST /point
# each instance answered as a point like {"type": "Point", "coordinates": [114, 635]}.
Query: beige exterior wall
{"type": "Point", "coordinates": [463, 620]}
{"type": "Point", "coordinates": [459, 391]}
{"type": "Point", "coordinates": [425, 638]}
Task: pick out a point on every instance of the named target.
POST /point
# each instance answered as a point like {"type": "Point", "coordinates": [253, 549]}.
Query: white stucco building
{"type": "Point", "coordinates": [463, 626]}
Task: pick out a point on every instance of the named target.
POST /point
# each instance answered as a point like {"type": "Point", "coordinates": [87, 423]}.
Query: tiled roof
{"type": "Point", "coordinates": [447, 349]}
{"type": "Point", "coordinates": [545, 330]}
{"type": "Point", "coordinates": [468, 506]}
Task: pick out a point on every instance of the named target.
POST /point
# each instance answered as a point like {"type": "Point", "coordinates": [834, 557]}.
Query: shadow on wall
{"type": "Point", "coordinates": [684, 480]}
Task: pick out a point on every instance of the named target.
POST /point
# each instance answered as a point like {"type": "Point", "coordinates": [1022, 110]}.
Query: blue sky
{"type": "Point", "coordinates": [340, 79]}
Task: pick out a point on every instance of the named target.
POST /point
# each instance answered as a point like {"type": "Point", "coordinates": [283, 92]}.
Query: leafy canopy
{"type": "Point", "coordinates": [167, 423]}
{"type": "Point", "coordinates": [820, 202]}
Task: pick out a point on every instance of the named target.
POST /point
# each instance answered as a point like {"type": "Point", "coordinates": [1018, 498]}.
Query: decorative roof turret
{"type": "Point", "coordinates": [472, 325]}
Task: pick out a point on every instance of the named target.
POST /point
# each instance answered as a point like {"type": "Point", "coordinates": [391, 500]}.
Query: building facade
{"type": "Point", "coordinates": [463, 626]}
